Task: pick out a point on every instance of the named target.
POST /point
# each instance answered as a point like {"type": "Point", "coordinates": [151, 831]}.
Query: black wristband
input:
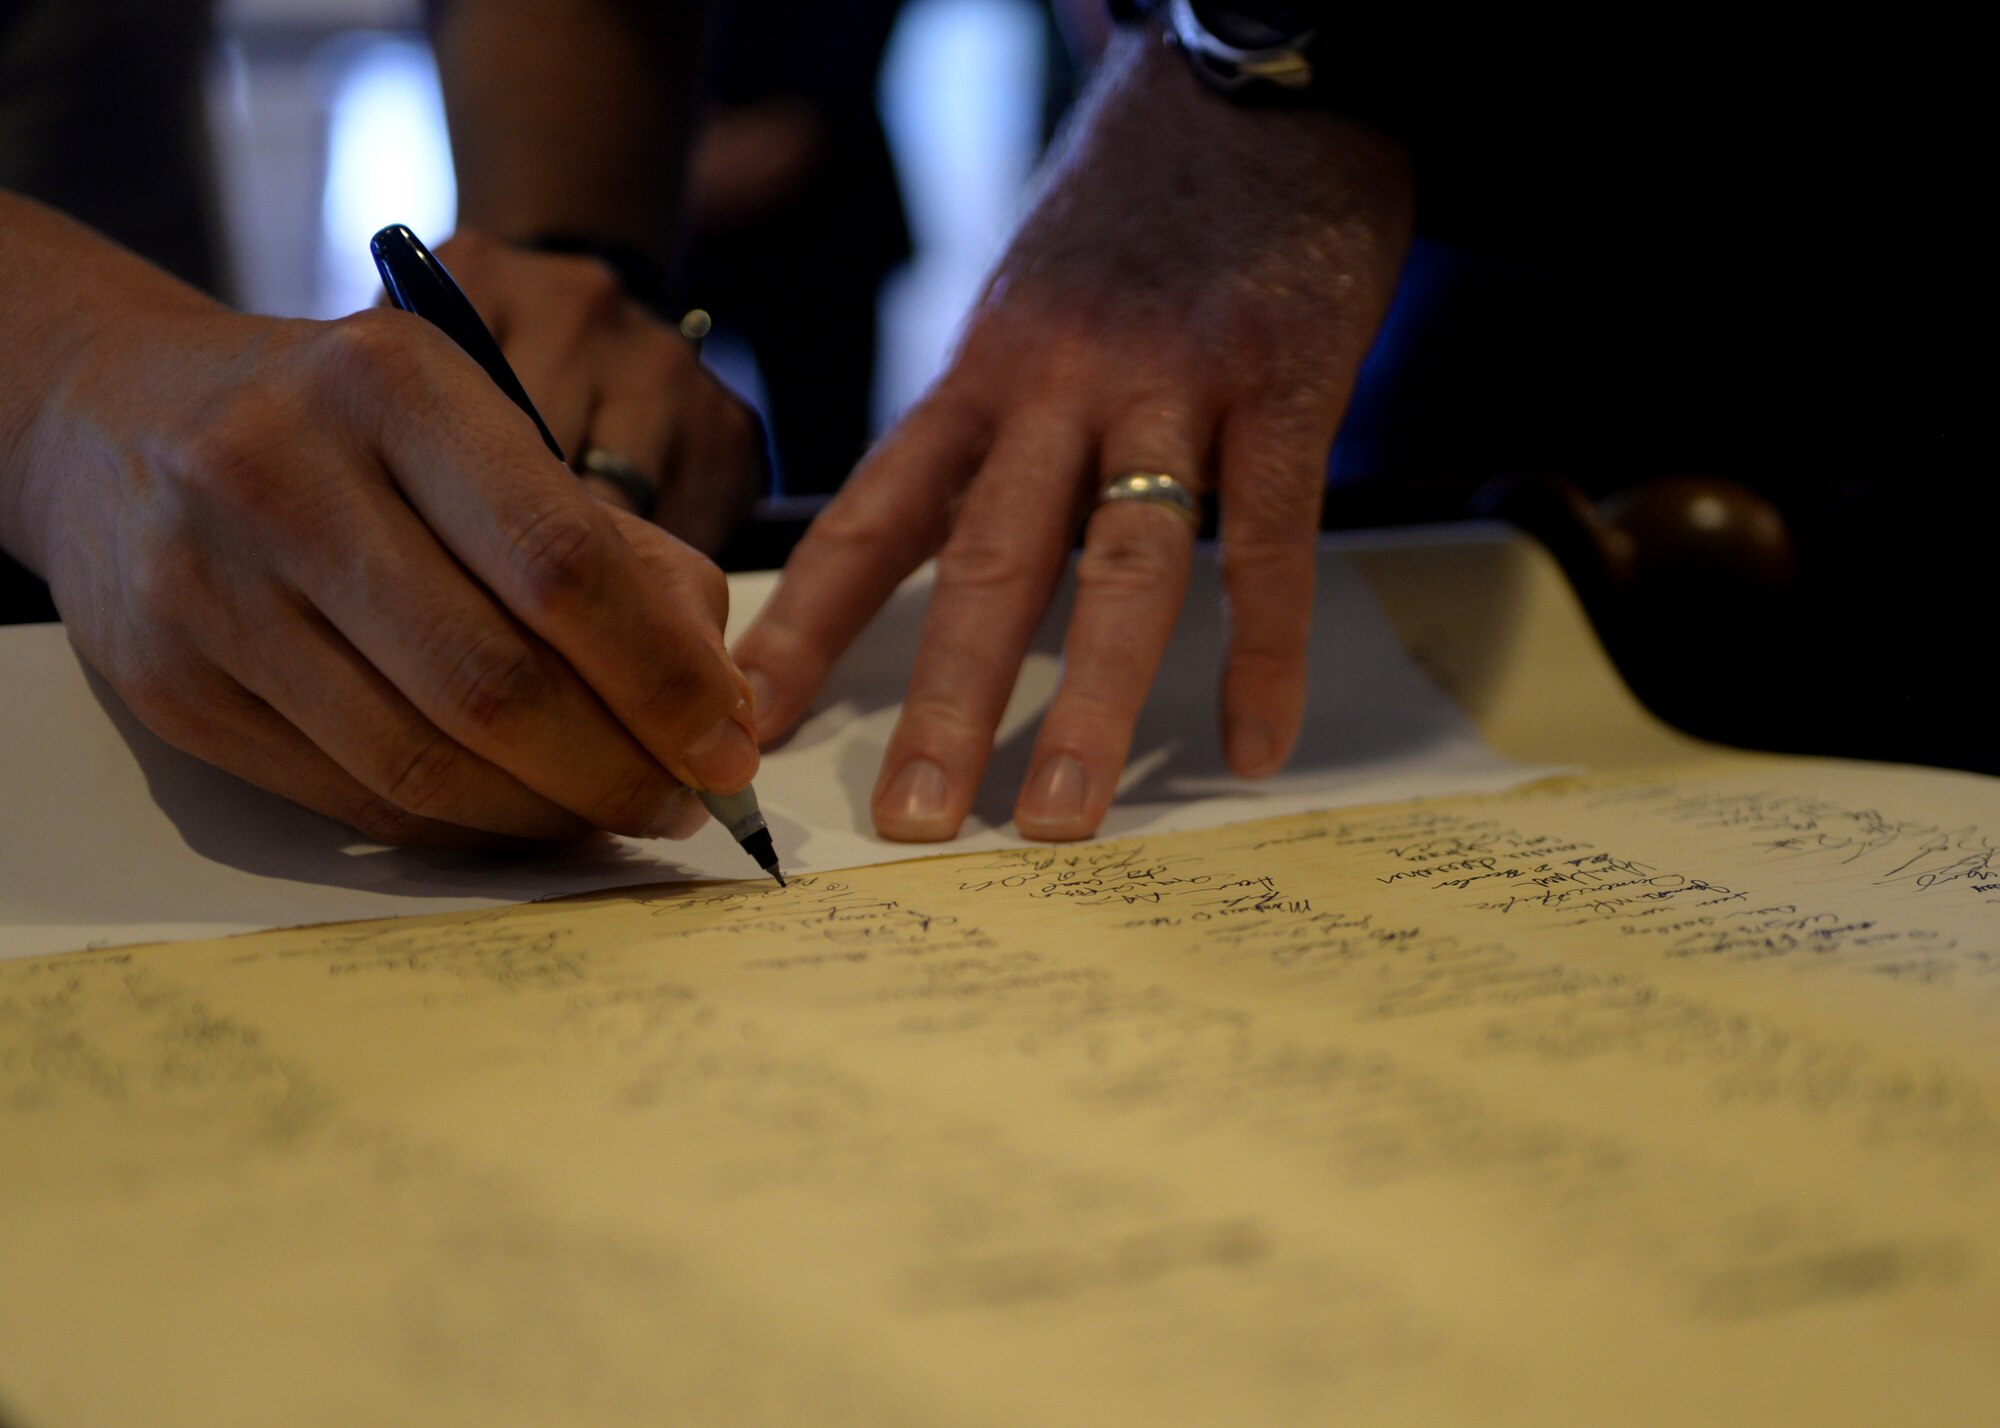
{"type": "Point", "coordinates": [643, 277]}
{"type": "Point", "coordinates": [1251, 51]}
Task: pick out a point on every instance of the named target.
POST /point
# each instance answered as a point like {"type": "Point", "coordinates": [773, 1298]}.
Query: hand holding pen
{"type": "Point", "coordinates": [333, 559]}
{"type": "Point", "coordinates": [418, 283]}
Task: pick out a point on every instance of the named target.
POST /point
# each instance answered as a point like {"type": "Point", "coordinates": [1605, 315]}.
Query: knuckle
{"type": "Point", "coordinates": [661, 358]}
{"type": "Point", "coordinates": [156, 697]}
{"type": "Point", "coordinates": [633, 806]}
{"type": "Point", "coordinates": [680, 697]}
{"type": "Point", "coordinates": [853, 528]}
{"type": "Point", "coordinates": [1273, 510]}
{"type": "Point", "coordinates": [591, 286]}
{"type": "Point", "coordinates": [1280, 468]}
{"type": "Point", "coordinates": [1266, 660]}
{"type": "Point", "coordinates": [229, 460]}
{"type": "Point", "coordinates": [559, 554]}
{"type": "Point", "coordinates": [169, 579]}
{"type": "Point", "coordinates": [1266, 553]}
{"type": "Point", "coordinates": [1159, 410]}
{"type": "Point", "coordinates": [495, 681]}
{"type": "Point", "coordinates": [712, 588]}
{"type": "Point", "coordinates": [935, 716]}
{"type": "Point", "coordinates": [1122, 564]}
{"type": "Point", "coordinates": [957, 401]}
{"type": "Point", "coordinates": [381, 821]}
{"type": "Point", "coordinates": [1092, 719]}
{"type": "Point", "coordinates": [979, 560]}
{"type": "Point", "coordinates": [788, 654]}
{"type": "Point", "coordinates": [370, 350]}
{"type": "Point", "coordinates": [424, 779]}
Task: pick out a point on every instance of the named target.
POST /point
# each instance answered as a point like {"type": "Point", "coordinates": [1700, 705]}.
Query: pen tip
{"type": "Point", "coordinates": [757, 844]}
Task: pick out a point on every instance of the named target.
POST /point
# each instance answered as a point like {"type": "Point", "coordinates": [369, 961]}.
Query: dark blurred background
{"type": "Point", "coordinates": [860, 168]}
{"type": "Point", "coordinates": [1744, 424]}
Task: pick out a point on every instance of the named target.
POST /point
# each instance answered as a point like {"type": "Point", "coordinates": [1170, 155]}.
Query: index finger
{"type": "Point", "coordinates": [892, 514]}
{"type": "Point", "coordinates": [476, 471]}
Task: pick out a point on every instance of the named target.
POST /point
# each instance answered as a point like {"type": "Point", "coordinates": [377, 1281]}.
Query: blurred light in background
{"type": "Point", "coordinates": [388, 160]}
{"type": "Point", "coordinates": [329, 124]}
{"type": "Point", "coordinates": [961, 97]}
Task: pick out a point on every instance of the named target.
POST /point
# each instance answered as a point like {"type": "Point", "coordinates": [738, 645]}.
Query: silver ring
{"type": "Point", "coordinates": [631, 483]}
{"type": "Point", "coordinates": [1155, 488]}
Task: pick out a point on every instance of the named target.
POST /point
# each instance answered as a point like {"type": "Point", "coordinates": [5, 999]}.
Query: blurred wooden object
{"type": "Point", "coordinates": [1849, 624]}
{"type": "Point", "coordinates": [1690, 581]}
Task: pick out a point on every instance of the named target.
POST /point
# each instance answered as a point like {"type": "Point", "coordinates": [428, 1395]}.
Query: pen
{"type": "Point", "coordinates": [418, 283]}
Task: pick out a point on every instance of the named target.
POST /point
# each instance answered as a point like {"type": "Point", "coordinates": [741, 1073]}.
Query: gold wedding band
{"type": "Point", "coordinates": [1154, 488]}
{"type": "Point", "coordinates": [632, 484]}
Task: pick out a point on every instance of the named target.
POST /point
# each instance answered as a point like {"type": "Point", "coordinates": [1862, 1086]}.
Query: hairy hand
{"type": "Point", "coordinates": [1192, 293]}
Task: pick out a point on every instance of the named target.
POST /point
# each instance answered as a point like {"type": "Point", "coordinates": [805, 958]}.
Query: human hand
{"type": "Point", "coordinates": [333, 559]}
{"type": "Point", "coordinates": [1192, 293]}
{"type": "Point", "coordinates": [603, 372]}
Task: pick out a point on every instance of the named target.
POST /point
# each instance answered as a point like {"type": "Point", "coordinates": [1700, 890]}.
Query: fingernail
{"type": "Point", "coordinates": [678, 817]}
{"type": "Point", "coordinates": [1252, 746]}
{"type": "Point", "coordinates": [760, 694]}
{"type": "Point", "coordinates": [1056, 796]}
{"type": "Point", "coordinates": [916, 792]}
{"type": "Point", "coordinates": [724, 758]}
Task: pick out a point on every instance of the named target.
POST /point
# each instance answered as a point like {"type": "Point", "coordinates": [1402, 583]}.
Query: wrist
{"type": "Point", "coordinates": [1251, 51]}
{"type": "Point", "coordinates": [1149, 103]}
{"type": "Point", "coordinates": [76, 304]}
{"type": "Point", "coordinates": [1158, 174]}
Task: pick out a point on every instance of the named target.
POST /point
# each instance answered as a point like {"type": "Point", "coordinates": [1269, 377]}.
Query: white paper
{"type": "Point", "coordinates": [109, 836]}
